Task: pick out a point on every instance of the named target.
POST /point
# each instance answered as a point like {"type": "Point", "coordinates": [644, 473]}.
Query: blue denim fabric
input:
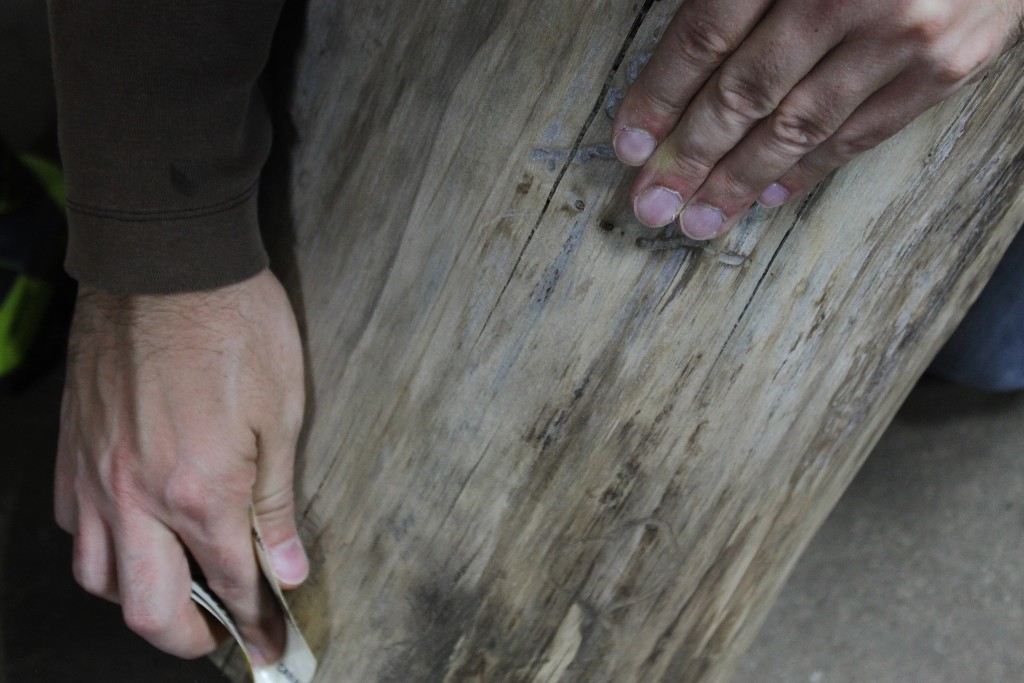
{"type": "Point", "coordinates": [987, 350]}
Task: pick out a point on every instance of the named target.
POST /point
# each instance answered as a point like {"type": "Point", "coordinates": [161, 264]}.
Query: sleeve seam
{"type": "Point", "coordinates": [163, 214]}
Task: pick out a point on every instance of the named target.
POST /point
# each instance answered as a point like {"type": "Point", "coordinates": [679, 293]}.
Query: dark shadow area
{"type": "Point", "coordinates": [51, 631]}
{"type": "Point", "coordinates": [935, 400]}
{"type": "Point", "coordinates": [27, 101]}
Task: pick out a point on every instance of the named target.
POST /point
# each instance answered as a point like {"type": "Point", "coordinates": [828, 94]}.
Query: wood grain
{"type": "Point", "coordinates": [537, 452]}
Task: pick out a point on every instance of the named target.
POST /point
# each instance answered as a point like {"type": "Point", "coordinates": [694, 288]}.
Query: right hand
{"type": "Point", "coordinates": [758, 100]}
{"type": "Point", "coordinates": [179, 412]}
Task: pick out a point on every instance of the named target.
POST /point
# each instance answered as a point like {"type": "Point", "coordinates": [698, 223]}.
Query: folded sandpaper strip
{"type": "Point", "coordinates": [297, 664]}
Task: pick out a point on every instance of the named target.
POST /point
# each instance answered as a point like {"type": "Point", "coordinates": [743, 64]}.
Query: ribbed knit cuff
{"type": "Point", "coordinates": [166, 253]}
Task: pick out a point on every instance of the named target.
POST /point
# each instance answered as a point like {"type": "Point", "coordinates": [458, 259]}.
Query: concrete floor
{"type": "Point", "coordinates": [918, 575]}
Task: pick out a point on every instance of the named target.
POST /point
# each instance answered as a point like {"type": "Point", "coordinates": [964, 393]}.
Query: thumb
{"type": "Point", "coordinates": [274, 506]}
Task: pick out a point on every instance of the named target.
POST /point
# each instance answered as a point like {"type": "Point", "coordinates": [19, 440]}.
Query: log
{"type": "Point", "coordinates": [537, 451]}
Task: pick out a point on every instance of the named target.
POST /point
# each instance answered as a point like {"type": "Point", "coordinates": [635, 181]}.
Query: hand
{"type": "Point", "coordinates": [758, 100]}
{"type": "Point", "coordinates": [180, 410]}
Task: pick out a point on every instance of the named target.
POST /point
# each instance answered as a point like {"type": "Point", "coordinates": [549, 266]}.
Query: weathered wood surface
{"type": "Point", "coordinates": [536, 452]}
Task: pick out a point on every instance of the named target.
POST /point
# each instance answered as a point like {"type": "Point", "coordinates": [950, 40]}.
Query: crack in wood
{"type": "Point", "coordinates": [581, 156]}
{"type": "Point", "coordinates": [767, 269]}
{"type": "Point", "coordinates": [638, 22]}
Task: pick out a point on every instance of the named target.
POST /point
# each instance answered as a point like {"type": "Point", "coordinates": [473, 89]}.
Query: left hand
{"type": "Point", "coordinates": [758, 100]}
{"type": "Point", "coordinates": [180, 413]}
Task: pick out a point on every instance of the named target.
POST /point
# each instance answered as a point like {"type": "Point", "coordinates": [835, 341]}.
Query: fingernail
{"type": "Point", "coordinates": [657, 206]}
{"type": "Point", "coordinates": [289, 562]}
{"type": "Point", "coordinates": [633, 146]}
{"type": "Point", "coordinates": [701, 221]}
{"type": "Point", "coordinates": [773, 195]}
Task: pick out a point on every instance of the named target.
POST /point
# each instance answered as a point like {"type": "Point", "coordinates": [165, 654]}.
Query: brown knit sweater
{"type": "Point", "coordinates": [163, 132]}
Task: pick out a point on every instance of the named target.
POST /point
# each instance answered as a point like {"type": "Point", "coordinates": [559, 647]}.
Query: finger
{"type": "Point", "coordinates": [64, 504]}
{"type": "Point", "coordinates": [776, 56]}
{"type": "Point", "coordinates": [274, 505]}
{"type": "Point", "coordinates": [225, 553]}
{"type": "Point", "coordinates": [93, 562]}
{"type": "Point", "coordinates": [155, 588]}
{"type": "Point", "coordinates": [808, 116]}
{"type": "Point", "coordinates": [884, 114]}
{"type": "Point", "coordinates": [699, 38]}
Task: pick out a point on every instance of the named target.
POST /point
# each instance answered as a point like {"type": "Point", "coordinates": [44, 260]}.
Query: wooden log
{"type": "Point", "coordinates": [536, 451]}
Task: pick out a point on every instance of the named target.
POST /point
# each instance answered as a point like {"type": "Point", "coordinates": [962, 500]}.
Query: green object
{"type": "Point", "coordinates": [31, 244]}
{"type": "Point", "coordinates": [48, 174]}
{"type": "Point", "coordinates": [22, 311]}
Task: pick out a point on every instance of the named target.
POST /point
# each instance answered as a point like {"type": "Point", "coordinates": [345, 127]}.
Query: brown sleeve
{"type": "Point", "coordinates": [163, 132]}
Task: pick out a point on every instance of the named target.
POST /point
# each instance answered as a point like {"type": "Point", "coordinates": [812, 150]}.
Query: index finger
{"type": "Point", "coordinates": [701, 35]}
{"type": "Point", "coordinates": [227, 557]}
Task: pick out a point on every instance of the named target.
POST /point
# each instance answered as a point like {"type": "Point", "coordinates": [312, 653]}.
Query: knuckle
{"type": "Point", "coordinates": [147, 622]}
{"type": "Point", "coordinates": [923, 21]}
{"type": "Point", "coordinates": [797, 131]}
{"type": "Point", "coordinates": [188, 494]}
{"type": "Point", "coordinates": [652, 99]}
{"type": "Point", "coordinates": [278, 505]}
{"type": "Point", "coordinates": [739, 96]}
{"type": "Point", "coordinates": [953, 67]}
{"type": "Point", "coordinates": [689, 168]}
{"type": "Point", "coordinates": [728, 184]}
{"type": "Point", "coordinates": [849, 145]}
{"type": "Point", "coordinates": [700, 41]}
{"type": "Point", "coordinates": [231, 587]}
{"type": "Point", "coordinates": [933, 28]}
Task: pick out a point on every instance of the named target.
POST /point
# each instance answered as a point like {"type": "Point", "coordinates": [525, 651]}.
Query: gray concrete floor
{"type": "Point", "coordinates": [918, 575]}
